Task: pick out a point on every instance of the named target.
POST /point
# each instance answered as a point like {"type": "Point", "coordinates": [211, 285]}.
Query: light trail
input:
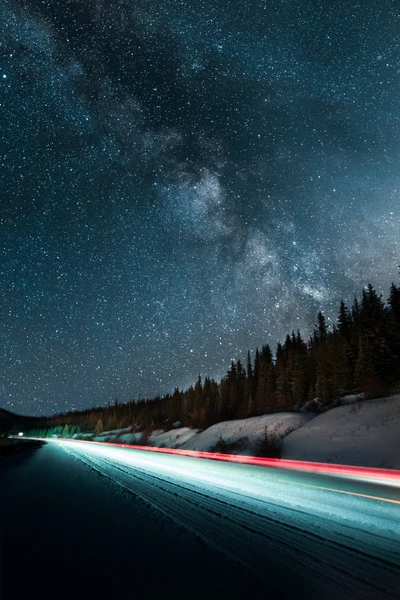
{"type": "Point", "coordinates": [328, 489]}
{"type": "Point", "coordinates": [384, 476]}
{"type": "Point", "coordinates": [338, 534]}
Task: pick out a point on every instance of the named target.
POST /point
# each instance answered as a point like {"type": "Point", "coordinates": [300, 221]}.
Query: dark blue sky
{"type": "Point", "coordinates": [182, 181]}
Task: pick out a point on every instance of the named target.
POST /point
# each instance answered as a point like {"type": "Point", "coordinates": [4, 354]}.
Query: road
{"type": "Point", "coordinates": [141, 521]}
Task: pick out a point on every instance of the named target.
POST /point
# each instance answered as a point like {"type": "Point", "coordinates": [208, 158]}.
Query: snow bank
{"type": "Point", "coordinates": [243, 436]}
{"type": "Point", "coordinates": [122, 436]}
{"type": "Point", "coordinates": [360, 432]}
{"type": "Point", "coordinates": [130, 438]}
{"type": "Point", "coordinates": [172, 439]}
{"type": "Point", "coordinates": [365, 433]}
{"type": "Point", "coordinates": [80, 436]}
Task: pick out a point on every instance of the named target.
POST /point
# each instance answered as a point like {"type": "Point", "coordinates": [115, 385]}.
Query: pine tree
{"type": "Point", "coordinates": [249, 388]}
{"type": "Point", "coordinates": [365, 373]}
{"type": "Point", "coordinates": [223, 399]}
{"type": "Point", "coordinates": [342, 365]}
{"type": "Point", "coordinates": [99, 427]}
{"type": "Point", "coordinates": [344, 322]}
{"type": "Point", "coordinates": [394, 303]}
{"type": "Point", "coordinates": [256, 371]}
{"type": "Point", "coordinates": [321, 332]}
{"type": "Point", "coordinates": [372, 311]}
{"type": "Point", "coordinates": [264, 399]}
{"type": "Point", "coordinates": [65, 432]}
{"type": "Point", "coordinates": [355, 315]}
{"type": "Point", "coordinates": [198, 401]}
{"type": "Point", "coordinates": [236, 384]}
{"type": "Point", "coordinates": [301, 371]}
{"type": "Point", "coordinates": [283, 382]}
{"type": "Point", "coordinates": [393, 337]}
{"type": "Point", "coordinates": [176, 405]}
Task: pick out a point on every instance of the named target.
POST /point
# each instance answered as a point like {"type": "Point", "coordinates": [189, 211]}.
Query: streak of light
{"type": "Point", "coordinates": [376, 475]}
{"type": "Point", "coordinates": [328, 489]}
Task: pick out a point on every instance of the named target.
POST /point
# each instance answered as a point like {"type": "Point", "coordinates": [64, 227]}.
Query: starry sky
{"type": "Point", "coordinates": [182, 181]}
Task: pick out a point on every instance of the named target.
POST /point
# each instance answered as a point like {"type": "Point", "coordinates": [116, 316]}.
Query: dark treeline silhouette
{"type": "Point", "coordinates": [360, 354]}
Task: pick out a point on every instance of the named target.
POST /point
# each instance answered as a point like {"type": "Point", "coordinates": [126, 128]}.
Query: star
{"type": "Point", "coordinates": [182, 185]}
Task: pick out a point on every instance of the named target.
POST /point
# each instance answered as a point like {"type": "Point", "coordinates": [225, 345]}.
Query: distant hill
{"type": "Point", "coordinates": [10, 421]}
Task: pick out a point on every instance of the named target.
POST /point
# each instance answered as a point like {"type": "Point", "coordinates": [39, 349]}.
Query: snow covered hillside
{"type": "Point", "coordinates": [244, 436]}
{"type": "Point", "coordinates": [365, 433]}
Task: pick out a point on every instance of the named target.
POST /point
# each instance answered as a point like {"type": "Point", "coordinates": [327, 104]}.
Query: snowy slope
{"type": "Point", "coordinates": [365, 433]}
{"type": "Point", "coordinates": [244, 435]}
{"type": "Point", "coordinates": [175, 438]}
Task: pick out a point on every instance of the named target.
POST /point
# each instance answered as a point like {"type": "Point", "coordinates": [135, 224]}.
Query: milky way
{"type": "Point", "coordinates": [182, 181]}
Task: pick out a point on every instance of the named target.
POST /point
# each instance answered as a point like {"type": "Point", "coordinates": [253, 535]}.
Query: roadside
{"type": "Point", "coordinates": [10, 447]}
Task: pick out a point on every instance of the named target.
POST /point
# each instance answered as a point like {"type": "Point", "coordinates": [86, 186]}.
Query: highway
{"type": "Point", "coordinates": [298, 534]}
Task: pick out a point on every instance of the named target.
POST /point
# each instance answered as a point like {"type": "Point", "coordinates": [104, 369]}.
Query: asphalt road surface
{"type": "Point", "coordinates": [83, 520]}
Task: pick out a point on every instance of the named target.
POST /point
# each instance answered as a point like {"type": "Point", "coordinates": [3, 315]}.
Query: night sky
{"type": "Point", "coordinates": [183, 180]}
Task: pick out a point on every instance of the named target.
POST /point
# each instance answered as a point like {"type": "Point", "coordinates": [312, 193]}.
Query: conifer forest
{"type": "Point", "coordinates": [359, 354]}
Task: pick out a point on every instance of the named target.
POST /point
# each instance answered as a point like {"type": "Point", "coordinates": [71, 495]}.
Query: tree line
{"type": "Point", "coordinates": [359, 354]}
